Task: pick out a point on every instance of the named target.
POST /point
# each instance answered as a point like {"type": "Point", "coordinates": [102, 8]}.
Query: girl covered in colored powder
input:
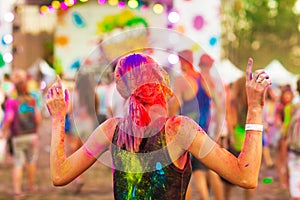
{"type": "Point", "coordinates": [150, 151]}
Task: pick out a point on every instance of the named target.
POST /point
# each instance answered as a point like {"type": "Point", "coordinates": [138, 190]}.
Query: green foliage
{"type": "Point", "coordinates": [263, 29]}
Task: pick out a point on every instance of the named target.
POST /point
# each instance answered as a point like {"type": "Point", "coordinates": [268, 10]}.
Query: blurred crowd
{"type": "Point", "coordinates": [95, 101]}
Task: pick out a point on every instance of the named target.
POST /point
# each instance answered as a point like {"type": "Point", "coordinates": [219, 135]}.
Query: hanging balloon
{"type": "Point", "coordinates": [198, 22]}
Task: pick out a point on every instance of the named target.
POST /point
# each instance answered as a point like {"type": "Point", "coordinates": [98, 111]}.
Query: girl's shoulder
{"type": "Point", "coordinates": [180, 124]}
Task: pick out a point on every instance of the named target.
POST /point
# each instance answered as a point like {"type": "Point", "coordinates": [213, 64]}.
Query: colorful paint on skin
{"type": "Point", "coordinates": [67, 97]}
{"type": "Point", "coordinates": [93, 149]}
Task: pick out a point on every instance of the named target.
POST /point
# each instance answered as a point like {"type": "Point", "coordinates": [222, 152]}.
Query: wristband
{"type": "Point", "coordinates": [254, 127]}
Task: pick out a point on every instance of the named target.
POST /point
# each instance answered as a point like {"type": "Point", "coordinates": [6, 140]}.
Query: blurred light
{"type": "Point", "coordinates": [158, 8]}
{"type": "Point", "coordinates": [83, 0]}
{"type": "Point", "coordinates": [272, 4]}
{"type": "Point", "coordinates": [121, 4]}
{"type": "Point", "coordinates": [9, 17]}
{"type": "Point", "coordinates": [144, 8]}
{"type": "Point", "coordinates": [133, 4]}
{"type": "Point", "coordinates": [113, 2]}
{"type": "Point", "coordinates": [44, 9]}
{"type": "Point", "coordinates": [43, 85]}
{"type": "Point", "coordinates": [173, 17]}
{"type": "Point", "coordinates": [70, 2]}
{"type": "Point", "coordinates": [7, 57]}
{"type": "Point", "coordinates": [64, 6]}
{"type": "Point", "coordinates": [173, 59]}
{"type": "Point", "coordinates": [255, 45]}
{"type": "Point", "coordinates": [55, 4]}
{"type": "Point", "coordinates": [297, 7]}
{"type": "Point", "coordinates": [51, 9]}
{"type": "Point", "coordinates": [7, 39]}
{"type": "Point", "coordinates": [102, 1]}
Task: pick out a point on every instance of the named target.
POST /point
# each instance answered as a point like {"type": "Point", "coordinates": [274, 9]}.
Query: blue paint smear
{"type": "Point", "coordinates": [213, 41]}
{"type": "Point", "coordinates": [75, 65]}
{"type": "Point", "coordinates": [24, 108]}
{"type": "Point", "coordinates": [78, 20]}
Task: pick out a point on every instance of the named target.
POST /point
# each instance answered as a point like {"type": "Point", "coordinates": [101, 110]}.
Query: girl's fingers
{"type": "Point", "coordinates": [249, 70]}
{"type": "Point", "coordinates": [58, 80]}
{"type": "Point", "coordinates": [67, 96]}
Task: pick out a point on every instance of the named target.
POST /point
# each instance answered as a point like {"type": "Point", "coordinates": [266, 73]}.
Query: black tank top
{"type": "Point", "coordinates": [155, 178]}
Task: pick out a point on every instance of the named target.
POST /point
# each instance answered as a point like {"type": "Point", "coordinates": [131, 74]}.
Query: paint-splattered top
{"type": "Point", "coordinates": [146, 174]}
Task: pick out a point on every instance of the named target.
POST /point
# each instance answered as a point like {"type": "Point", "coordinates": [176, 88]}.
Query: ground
{"type": "Point", "coordinates": [98, 180]}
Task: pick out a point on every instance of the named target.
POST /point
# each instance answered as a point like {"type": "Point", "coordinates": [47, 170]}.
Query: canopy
{"type": "Point", "coordinates": [228, 71]}
{"type": "Point", "coordinates": [280, 75]}
{"type": "Point", "coordinates": [43, 68]}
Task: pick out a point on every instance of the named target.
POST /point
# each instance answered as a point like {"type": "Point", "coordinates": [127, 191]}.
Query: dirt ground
{"type": "Point", "coordinates": [98, 180]}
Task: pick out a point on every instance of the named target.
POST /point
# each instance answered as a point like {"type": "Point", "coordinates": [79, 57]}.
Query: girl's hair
{"type": "Point", "coordinates": [142, 83]}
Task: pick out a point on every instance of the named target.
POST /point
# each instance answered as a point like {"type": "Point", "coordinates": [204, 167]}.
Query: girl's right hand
{"type": "Point", "coordinates": [57, 99]}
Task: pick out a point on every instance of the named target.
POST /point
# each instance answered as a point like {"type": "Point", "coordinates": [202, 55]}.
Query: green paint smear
{"type": "Point", "coordinates": [267, 180]}
{"type": "Point", "coordinates": [133, 163]}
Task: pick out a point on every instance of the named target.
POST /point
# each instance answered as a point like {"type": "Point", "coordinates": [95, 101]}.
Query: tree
{"type": "Point", "coordinates": [263, 29]}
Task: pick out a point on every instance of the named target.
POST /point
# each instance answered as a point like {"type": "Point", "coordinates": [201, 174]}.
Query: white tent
{"type": "Point", "coordinates": [228, 71]}
{"type": "Point", "coordinates": [42, 67]}
{"type": "Point", "coordinates": [280, 75]}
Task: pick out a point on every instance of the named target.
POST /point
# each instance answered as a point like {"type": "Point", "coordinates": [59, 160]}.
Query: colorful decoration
{"type": "Point", "coordinates": [202, 23]}
{"type": "Point", "coordinates": [78, 20]}
{"type": "Point", "coordinates": [126, 18]}
{"type": "Point", "coordinates": [157, 8]}
{"type": "Point", "coordinates": [2, 63]}
{"type": "Point", "coordinates": [75, 64]}
{"type": "Point", "coordinates": [61, 40]}
{"type": "Point", "coordinates": [213, 41]}
{"type": "Point", "coordinates": [58, 66]}
{"type": "Point", "coordinates": [198, 22]}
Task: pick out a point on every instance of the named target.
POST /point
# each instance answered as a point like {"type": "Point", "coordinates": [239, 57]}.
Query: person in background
{"type": "Point", "coordinates": [271, 126]}
{"type": "Point", "coordinates": [238, 110]}
{"type": "Point", "coordinates": [284, 111]}
{"type": "Point", "coordinates": [149, 150]}
{"type": "Point", "coordinates": [8, 87]}
{"type": "Point", "coordinates": [293, 149]}
{"type": "Point", "coordinates": [114, 102]}
{"type": "Point", "coordinates": [82, 116]}
{"type": "Point", "coordinates": [101, 91]}
{"type": "Point", "coordinates": [104, 91]}
{"type": "Point", "coordinates": [193, 99]}
{"type": "Point", "coordinates": [22, 119]}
